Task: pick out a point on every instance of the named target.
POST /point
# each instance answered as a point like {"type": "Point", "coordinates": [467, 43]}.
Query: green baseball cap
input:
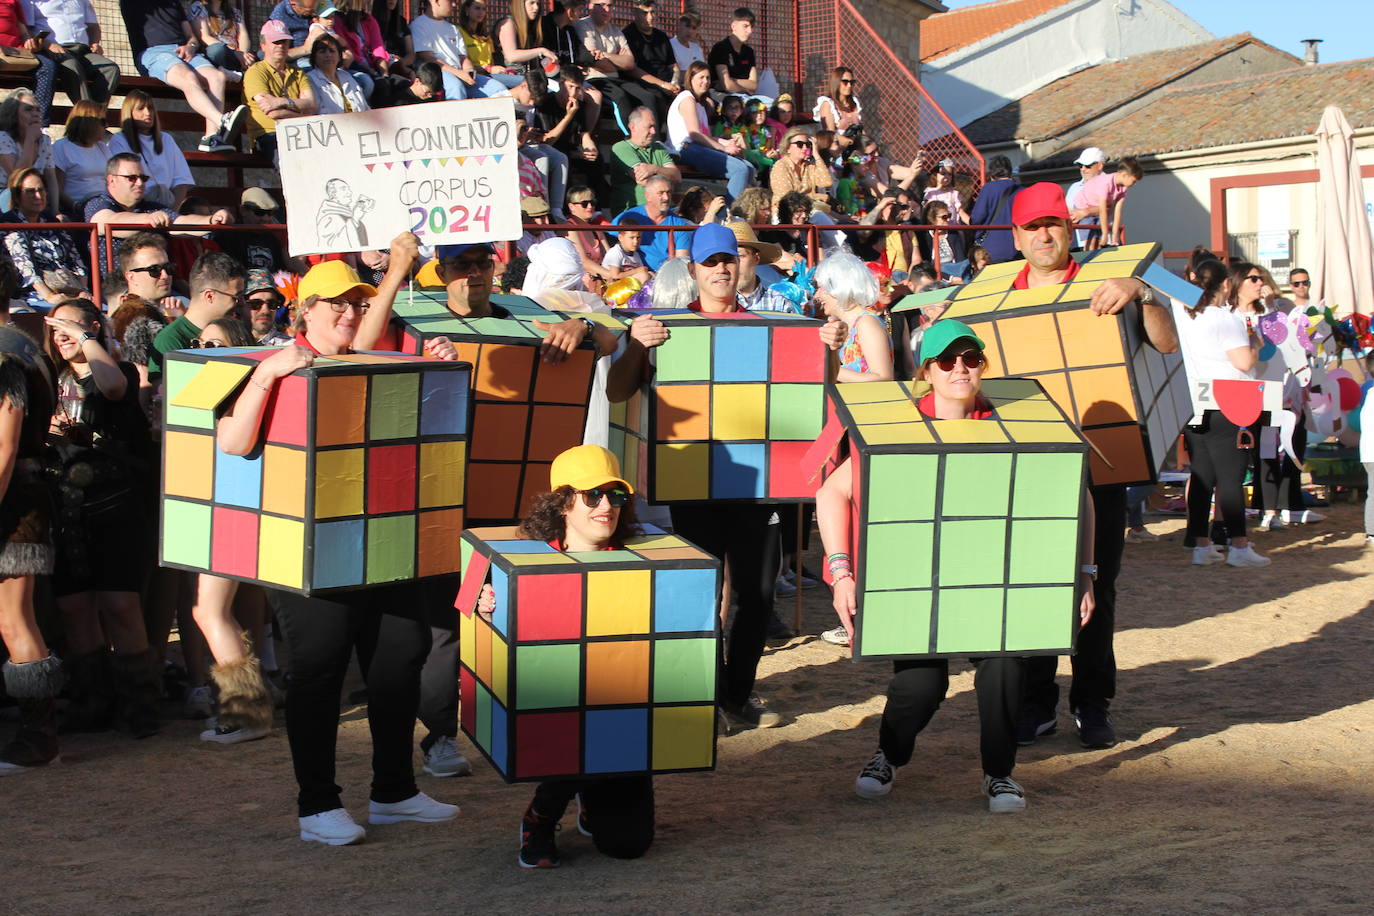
{"type": "Point", "coordinates": [941, 334]}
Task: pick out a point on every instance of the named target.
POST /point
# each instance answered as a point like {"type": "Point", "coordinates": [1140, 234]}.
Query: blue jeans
{"type": "Point", "coordinates": [159, 60]}
{"type": "Point", "coordinates": [1135, 505]}
{"type": "Point", "coordinates": [455, 90]}
{"type": "Point", "coordinates": [737, 173]}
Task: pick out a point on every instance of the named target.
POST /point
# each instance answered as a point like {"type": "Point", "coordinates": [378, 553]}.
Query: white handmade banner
{"type": "Point", "coordinates": [443, 170]}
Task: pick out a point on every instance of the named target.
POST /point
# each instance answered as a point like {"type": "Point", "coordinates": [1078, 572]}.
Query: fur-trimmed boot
{"type": "Point", "coordinates": [92, 692]}
{"type": "Point", "coordinates": [138, 676]}
{"type": "Point", "coordinates": [245, 702]}
{"type": "Point", "coordinates": [35, 685]}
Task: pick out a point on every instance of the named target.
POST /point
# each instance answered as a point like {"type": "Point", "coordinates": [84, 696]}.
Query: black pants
{"type": "Point", "coordinates": [619, 810]}
{"type": "Point", "coordinates": [439, 677]}
{"type": "Point", "coordinates": [1094, 659]}
{"type": "Point", "coordinates": [739, 534]}
{"type": "Point", "coordinates": [1216, 464]}
{"type": "Point", "coordinates": [388, 628]}
{"type": "Point", "coordinates": [87, 76]}
{"type": "Point", "coordinates": [1280, 480]}
{"type": "Point", "coordinates": [627, 95]}
{"type": "Point", "coordinates": [918, 688]}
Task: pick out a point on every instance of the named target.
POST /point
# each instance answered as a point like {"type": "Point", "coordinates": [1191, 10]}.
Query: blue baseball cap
{"type": "Point", "coordinates": [713, 239]}
{"type": "Point", "coordinates": [452, 251]}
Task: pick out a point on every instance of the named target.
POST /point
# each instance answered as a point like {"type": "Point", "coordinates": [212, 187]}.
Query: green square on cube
{"type": "Point", "coordinates": [1043, 551]}
{"type": "Point", "coordinates": [899, 487]}
{"type": "Point", "coordinates": [390, 548]}
{"type": "Point", "coordinates": [176, 373]}
{"type": "Point", "coordinates": [548, 677]}
{"type": "Point", "coordinates": [970, 621]}
{"type": "Point", "coordinates": [895, 623]}
{"type": "Point", "coordinates": [186, 533]}
{"type": "Point", "coordinates": [1048, 485]}
{"type": "Point", "coordinates": [394, 406]}
{"type": "Point", "coordinates": [795, 412]}
{"type": "Point", "coordinates": [898, 555]}
{"type": "Point", "coordinates": [684, 670]}
{"type": "Point", "coordinates": [973, 552]}
{"type": "Point", "coordinates": [685, 357]}
{"type": "Point", "coordinates": [1036, 618]}
{"type": "Point", "coordinates": [976, 484]}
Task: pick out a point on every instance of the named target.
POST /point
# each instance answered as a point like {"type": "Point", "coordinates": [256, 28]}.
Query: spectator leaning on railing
{"type": "Point", "coordinates": [83, 70]}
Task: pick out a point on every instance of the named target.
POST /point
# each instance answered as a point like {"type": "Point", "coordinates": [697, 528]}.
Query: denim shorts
{"type": "Point", "coordinates": [159, 59]}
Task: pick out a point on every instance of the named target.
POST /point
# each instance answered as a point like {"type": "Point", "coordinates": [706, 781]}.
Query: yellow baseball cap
{"type": "Point", "coordinates": [584, 467]}
{"type": "Point", "coordinates": [329, 279]}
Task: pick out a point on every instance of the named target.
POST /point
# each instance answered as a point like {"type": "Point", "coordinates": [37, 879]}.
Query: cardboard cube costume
{"type": "Point", "coordinates": [358, 482]}
{"type": "Point", "coordinates": [1129, 400]}
{"type": "Point", "coordinates": [525, 411]}
{"type": "Point", "coordinates": [965, 534]}
{"type": "Point", "coordinates": [593, 663]}
{"type": "Point", "coordinates": [734, 402]}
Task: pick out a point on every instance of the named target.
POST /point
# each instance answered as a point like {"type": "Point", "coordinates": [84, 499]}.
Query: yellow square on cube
{"type": "Point", "coordinates": [338, 482]}
{"type": "Point", "coordinates": [618, 602]}
{"type": "Point", "coordinates": [1026, 298]}
{"type": "Point", "coordinates": [500, 662]}
{"type": "Point", "coordinates": [281, 550]}
{"type": "Point", "coordinates": [682, 471]}
{"type": "Point", "coordinates": [986, 286]}
{"type": "Point", "coordinates": [739, 412]}
{"type": "Point", "coordinates": [963, 432]}
{"type": "Point", "coordinates": [283, 480]}
{"type": "Point", "coordinates": [976, 305]}
{"type": "Point", "coordinates": [896, 433]}
{"type": "Point", "coordinates": [441, 474]}
{"type": "Point", "coordinates": [1105, 270]}
{"type": "Point", "coordinates": [871, 392]}
{"type": "Point", "coordinates": [1041, 432]}
{"type": "Point", "coordinates": [467, 636]}
{"type": "Point", "coordinates": [682, 737]}
{"type": "Point", "coordinates": [1040, 408]}
{"type": "Point", "coordinates": [885, 412]}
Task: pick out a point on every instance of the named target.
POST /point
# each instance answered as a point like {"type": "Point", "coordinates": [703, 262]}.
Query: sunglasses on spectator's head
{"type": "Point", "coordinates": [155, 270]}
{"type": "Point", "coordinates": [592, 497]}
{"type": "Point", "coordinates": [971, 358]}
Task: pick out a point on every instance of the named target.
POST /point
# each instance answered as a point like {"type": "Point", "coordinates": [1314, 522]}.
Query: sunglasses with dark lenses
{"type": "Point", "coordinates": [155, 270]}
{"type": "Point", "coordinates": [134, 179]}
{"type": "Point", "coordinates": [804, 144]}
{"type": "Point", "coordinates": [592, 497]}
{"type": "Point", "coordinates": [582, 203]}
{"type": "Point", "coordinates": [846, 82]}
{"type": "Point", "coordinates": [198, 344]}
{"type": "Point", "coordinates": [255, 304]}
{"type": "Point", "coordinates": [1256, 277]}
{"type": "Point", "coordinates": [972, 359]}
{"type": "Point", "coordinates": [1302, 282]}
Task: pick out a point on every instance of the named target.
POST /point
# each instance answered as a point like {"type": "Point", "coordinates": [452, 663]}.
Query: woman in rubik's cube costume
{"type": "Point", "coordinates": [952, 361]}
{"type": "Point", "coordinates": [386, 625]}
{"type": "Point", "coordinates": [33, 677]}
{"type": "Point", "coordinates": [589, 508]}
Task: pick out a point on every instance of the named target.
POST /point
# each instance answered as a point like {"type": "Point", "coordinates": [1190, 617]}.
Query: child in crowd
{"type": "Point", "coordinates": [1105, 196]}
{"type": "Point", "coordinates": [624, 256]}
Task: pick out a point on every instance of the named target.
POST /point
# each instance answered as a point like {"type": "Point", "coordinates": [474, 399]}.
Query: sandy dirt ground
{"type": "Point", "coordinates": [1242, 783]}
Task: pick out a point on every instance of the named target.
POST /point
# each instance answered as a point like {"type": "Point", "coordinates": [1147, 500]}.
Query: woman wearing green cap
{"type": "Point", "coordinates": [952, 362]}
{"type": "Point", "coordinates": [589, 507]}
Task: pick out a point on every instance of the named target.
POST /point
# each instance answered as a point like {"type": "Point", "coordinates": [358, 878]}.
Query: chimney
{"type": "Point", "coordinates": [1310, 56]}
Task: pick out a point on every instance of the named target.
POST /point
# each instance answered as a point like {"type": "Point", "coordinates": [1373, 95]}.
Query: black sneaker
{"type": "Point", "coordinates": [1035, 722]}
{"type": "Point", "coordinates": [875, 779]}
{"type": "Point", "coordinates": [1095, 728]}
{"type": "Point", "coordinates": [538, 843]}
{"type": "Point", "coordinates": [779, 630]}
{"type": "Point", "coordinates": [1004, 794]}
{"type": "Point", "coordinates": [753, 712]}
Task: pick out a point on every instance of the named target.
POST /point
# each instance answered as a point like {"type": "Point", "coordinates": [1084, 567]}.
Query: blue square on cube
{"type": "Point", "coordinates": [500, 615]}
{"type": "Point", "coordinates": [740, 355]}
{"type": "Point", "coordinates": [238, 480]}
{"type": "Point", "coordinates": [499, 733]}
{"type": "Point", "coordinates": [617, 741]}
{"type": "Point", "coordinates": [444, 404]}
{"type": "Point", "coordinates": [684, 600]}
{"type": "Point", "coordinates": [520, 547]}
{"type": "Point", "coordinates": [338, 554]}
{"type": "Point", "coordinates": [737, 470]}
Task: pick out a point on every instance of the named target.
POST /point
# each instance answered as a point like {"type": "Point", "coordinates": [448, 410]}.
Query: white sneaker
{"type": "Point", "coordinates": [836, 637]}
{"type": "Point", "coordinates": [419, 807]}
{"type": "Point", "coordinates": [1004, 794]}
{"type": "Point", "coordinates": [875, 779]}
{"type": "Point", "coordinates": [1206, 556]}
{"type": "Point", "coordinates": [197, 703]}
{"type": "Point", "coordinates": [231, 123]}
{"type": "Point", "coordinates": [1245, 557]}
{"type": "Point", "coordinates": [1305, 517]}
{"type": "Point", "coordinates": [1271, 523]}
{"type": "Point", "coordinates": [1140, 535]}
{"type": "Point", "coordinates": [444, 759]}
{"type": "Point", "coordinates": [221, 734]}
{"type": "Point", "coordinates": [333, 828]}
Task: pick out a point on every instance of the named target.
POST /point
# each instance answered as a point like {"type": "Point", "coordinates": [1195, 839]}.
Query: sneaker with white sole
{"type": "Point", "coordinates": [1246, 557]}
{"type": "Point", "coordinates": [230, 734]}
{"type": "Point", "coordinates": [231, 124]}
{"type": "Point", "coordinates": [1004, 794]}
{"type": "Point", "coordinates": [1305, 517]}
{"type": "Point", "coordinates": [875, 779]}
{"type": "Point", "coordinates": [1271, 523]}
{"type": "Point", "coordinates": [333, 828]}
{"type": "Point", "coordinates": [836, 637]}
{"type": "Point", "coordinates": [754, 711]}
{"type": "Point", "coordinates": [443, 759]}
{"type": "Point", "coordinates": [419, 807]}
{"type": "Point", "coordinates": [1206, 556]}
{"type": "Point", "coordinates": [198, 703]}
{"type": "Point", "coordinates": [1140, 535]}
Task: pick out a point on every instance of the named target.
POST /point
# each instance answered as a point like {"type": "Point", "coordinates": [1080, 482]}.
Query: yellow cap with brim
{"type": "Point", "coordinates": [330, 279]}
{"type": "Point", "coordinates": [584, 467]}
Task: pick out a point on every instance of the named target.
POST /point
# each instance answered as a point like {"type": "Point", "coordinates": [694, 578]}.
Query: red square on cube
{"type": "Point", "coordinates": [547, 744]}
{"type": "Point", "coordinates": [548, 607]}
{"type": "Point", "coordinates": [391, 478]}
{"type": "Point", "coordinates": [467, 700]}
{"type": "Point", "coordinates": [798, 355]}
{"type": "Point", "coordinates": [288, 423]}
{"type": "Point", "coordinates": [234, 548]}
{"type": "Point", "coordinates": [786, 477]}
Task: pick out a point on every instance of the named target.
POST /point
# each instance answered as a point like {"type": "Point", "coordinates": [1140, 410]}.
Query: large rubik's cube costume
{"type": "Point", "coordinates": [358, 482]}
{"type": "Point", "coordinates": [592, 664]}
{"type": "Point", "coordinates": [734, 403]}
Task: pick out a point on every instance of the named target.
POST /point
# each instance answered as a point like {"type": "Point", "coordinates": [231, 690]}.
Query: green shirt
{"type": "Point", "coordinates": [176, 336]}
{"type": "Point", "coordinates": [625, 192]}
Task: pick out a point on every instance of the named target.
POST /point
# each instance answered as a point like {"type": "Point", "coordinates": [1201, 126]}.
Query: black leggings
{"type": "Point", "coordinates": [1217, 463]}
{"type": "Point", "coordinates": [1280, 480]}
{"type": "Point", "coordinates": [388, 628]}
{"type": "Point", "coordinates": [619, 810]}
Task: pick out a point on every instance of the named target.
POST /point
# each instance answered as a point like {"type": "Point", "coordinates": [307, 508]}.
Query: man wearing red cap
{"type": "Point", "coordinates": [1043, 236]}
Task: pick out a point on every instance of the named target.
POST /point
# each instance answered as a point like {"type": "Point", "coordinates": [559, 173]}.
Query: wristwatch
{"type": "Point", "coordinates": [87, 336]}
{"type": "Point", "coordinates": [1089, 569]}
{"type": "Point", "coordinates": [1147, 297]}
{"type": "Point", "coordinates": [590, 325]}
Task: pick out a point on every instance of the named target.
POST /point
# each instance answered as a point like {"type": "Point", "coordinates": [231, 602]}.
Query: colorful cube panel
{"type": "Point", "coordinates": [590, 663]}
{"type": "Point", "coordinates": [1129, 400]}
{"type": "Point", "coordinates": [732, 405]}
{"type": "Point", "coordinates": [968, 531]}
{"type": "Point", "coordinates": [525, 412]}
{"type": "Point", "coordinates": [359, 479]}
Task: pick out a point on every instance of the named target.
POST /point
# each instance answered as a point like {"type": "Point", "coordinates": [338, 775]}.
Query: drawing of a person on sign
{"type": "Point", "coordinates": [341, 217]}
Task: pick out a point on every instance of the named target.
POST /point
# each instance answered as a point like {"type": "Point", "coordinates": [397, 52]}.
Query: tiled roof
{"type": "Point", "coordinates": [969, 25]}
{"type": "Point", "coordinates": [1287, 103]}
{"type": "Point", "coordinates": [1080, 97]}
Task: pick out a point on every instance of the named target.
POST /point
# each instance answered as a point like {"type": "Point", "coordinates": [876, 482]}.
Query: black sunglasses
{"type": "Point", "coordinates": [198, 344]}
{"type": "Point", "coordinates": [155, 270]}
{"type": "Point", "coordinates": [972, 359]}
{"type": "Point", "coordinates": [592, 498]}
{"type": "Point", "coordinates": [1302, 282]}
{"type": "Point", "coordinates": [1255, 277]}
{"type": "Point", "coordinates": [805, 144]}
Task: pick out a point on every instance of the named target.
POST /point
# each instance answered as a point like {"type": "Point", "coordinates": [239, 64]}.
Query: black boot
{"type": "Point", "coordinates": [35, 685]}
{"type": "Point", "coordinates": [92, 692]}
{"type": "Point", "coordinates": [138, 677]}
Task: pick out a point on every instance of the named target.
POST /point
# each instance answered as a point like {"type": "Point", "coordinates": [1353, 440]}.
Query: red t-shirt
{"type": "Point", "coordinates": [10, 16]}
{"type": "Point", "coordinates": [1069, 273]}
{"type": "Point", "coordinates": [696, 307]}
{"type": "Point", "coordinates": [982, 410]}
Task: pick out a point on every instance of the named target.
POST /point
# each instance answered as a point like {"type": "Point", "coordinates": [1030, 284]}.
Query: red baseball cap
{"type": "Point", "coordinates": [1041, 199]}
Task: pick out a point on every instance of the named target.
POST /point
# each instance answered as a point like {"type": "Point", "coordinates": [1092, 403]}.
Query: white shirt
{"type": "Point", "coordinates": [618, 258]}
{"type": "Point", "coordinates": [65, 19]}
{"type": "Point", "coordinates": [609, 40]}
{"type": "Point", "coordinates": [440, 38]}
{"type": "Point", "coordinates": [329, 96]}
{"type": "Point", "coordinates": [1205, 341]}
{"type": "Point", "coordinates": [679, 134]}
{"type": "Point", "coordinates": [42, 160]}
{"type": "Point", "coordinates": [168, 169]}
{"type": "Point", "coordinates": [686, 54]}
{"type": "Point", "coordinates": [82, 167]}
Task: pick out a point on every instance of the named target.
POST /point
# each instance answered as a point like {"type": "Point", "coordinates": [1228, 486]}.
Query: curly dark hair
{"type": "Point", "coordinates": [545, 521]}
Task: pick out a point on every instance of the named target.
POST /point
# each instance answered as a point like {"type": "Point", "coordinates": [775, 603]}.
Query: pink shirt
{"type": "Point", "coordinates": [1102, 187]}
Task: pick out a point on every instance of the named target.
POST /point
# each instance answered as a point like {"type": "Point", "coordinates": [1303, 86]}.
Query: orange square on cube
{"type": "Point", "coordinates": [505, 372]}
{"type": "Point", "coordinates": [617, 672]}
{"type": "Point", "coordinates": [491, 490]}
{"type": "Point", "coordinates": [439, 541]}
{"type": "Point", "coordinates": [1030, 343]}
{"type": "Point", "coordinates": [1090, 340]}
{"type": "Point", "coordinates": [342, 413]}
{"type": "Point", "coordinates": [498, 432]}
{"type": "Point", "coordinates": [1103, 396]}
{"type": "Point", "coordinates": [566, 382]}
{"type": "Point", "coordinates": [1123, 447]}
{"type": "Point", "coordinates": [189, 465]}
{"type": "Point", "coordinates": [555, 429]}
{"type": "Point", "coordinates": [684, 412]}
